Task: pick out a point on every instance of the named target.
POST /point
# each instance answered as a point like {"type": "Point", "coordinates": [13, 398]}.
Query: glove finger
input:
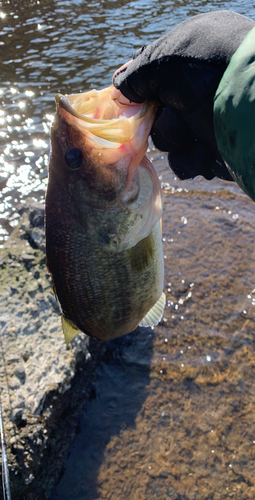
{"type": "Point", "coordinates": [121, 82]}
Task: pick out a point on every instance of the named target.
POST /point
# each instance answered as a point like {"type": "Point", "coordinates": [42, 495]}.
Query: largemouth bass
{"type": "Point", "coordinates": [103, 210]}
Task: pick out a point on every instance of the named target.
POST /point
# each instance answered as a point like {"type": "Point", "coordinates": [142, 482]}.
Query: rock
{"type": "Point", "coordinates": [16, 415]}
{"type": "Point", "coordinates": [20, 374]}
{"type": "Point", "coordinates": [42, 381]}
{"type": "Point", "coordinates": [34, 211]}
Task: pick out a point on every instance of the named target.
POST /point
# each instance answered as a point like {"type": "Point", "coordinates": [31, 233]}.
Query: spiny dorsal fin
{"type": "Point", "coordinates": [70, 331]}
{"type": "Point", "coordinates": [155, 314]}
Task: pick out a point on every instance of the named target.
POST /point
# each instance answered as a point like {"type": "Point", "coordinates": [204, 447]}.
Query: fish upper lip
{"type": "Point", "coordinates": [63, 102]}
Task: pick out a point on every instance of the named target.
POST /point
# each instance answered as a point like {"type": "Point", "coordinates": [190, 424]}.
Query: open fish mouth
{"type": "Point", "coordinates": [103, 116]}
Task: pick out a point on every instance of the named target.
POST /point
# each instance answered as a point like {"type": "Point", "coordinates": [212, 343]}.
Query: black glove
{"type": "Point", "coordinates": [181, 71]}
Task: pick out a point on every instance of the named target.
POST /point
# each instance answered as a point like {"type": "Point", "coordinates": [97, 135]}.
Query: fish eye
{"type": "Point", "coordinates": [74, 158]}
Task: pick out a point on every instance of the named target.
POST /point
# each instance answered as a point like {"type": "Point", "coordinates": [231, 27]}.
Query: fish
{"type": "Point", "coordinates": [103, 215]}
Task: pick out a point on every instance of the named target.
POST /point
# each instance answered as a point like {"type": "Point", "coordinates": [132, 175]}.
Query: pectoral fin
{"type": "Point", "coordinates": [70, 331]}
{"type": "Point", "coordinates": [155, 314]}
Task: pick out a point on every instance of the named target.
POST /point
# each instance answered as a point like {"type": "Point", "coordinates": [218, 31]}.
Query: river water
{"type": "Point", "coordinates": [173, 410]}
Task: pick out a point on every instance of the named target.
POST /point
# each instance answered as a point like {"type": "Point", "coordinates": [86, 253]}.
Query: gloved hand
{"type": "Point", "coordinates": [181, 71]}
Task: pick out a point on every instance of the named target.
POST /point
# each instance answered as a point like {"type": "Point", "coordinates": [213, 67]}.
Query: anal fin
{"type": "Point", "coordinates": [155, 314]}
{"type": "Point", "coordinates": [70, 331]}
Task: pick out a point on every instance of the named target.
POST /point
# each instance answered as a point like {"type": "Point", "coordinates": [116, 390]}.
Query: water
{"type": "Point", "coordinates": [67, 46]}
{"type": "Point", "coordinates": [174, 408]}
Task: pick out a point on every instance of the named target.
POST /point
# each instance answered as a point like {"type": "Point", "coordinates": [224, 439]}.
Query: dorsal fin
{"type": "Point", "coordinates": [155, 314]}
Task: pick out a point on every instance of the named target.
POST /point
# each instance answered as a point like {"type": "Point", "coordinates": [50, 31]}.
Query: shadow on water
{"type": "Point", "coordinates": [116, 399]}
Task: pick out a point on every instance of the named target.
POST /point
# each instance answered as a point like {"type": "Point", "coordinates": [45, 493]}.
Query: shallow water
{"type": "Point", "coordinates": [173, 412]}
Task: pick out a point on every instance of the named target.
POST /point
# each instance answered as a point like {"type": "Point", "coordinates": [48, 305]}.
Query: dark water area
{"type": "Point", "coordinates": [173, 409]}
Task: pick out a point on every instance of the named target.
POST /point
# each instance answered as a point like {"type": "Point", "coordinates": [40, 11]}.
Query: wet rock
{"type": "Point", "coordinates": [25, 356]}
{"type": "Point", "coordinates": [36, 274]}
{"type": "Point", "coordinates": [16, 415]}
{"type": "Point", "coordinates": [28, 258]}
{"type": "Point", "coordinates": [34, 211]}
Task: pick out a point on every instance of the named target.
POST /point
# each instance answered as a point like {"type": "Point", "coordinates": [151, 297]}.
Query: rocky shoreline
{"type": "Point", "coordinates": [44, 384]}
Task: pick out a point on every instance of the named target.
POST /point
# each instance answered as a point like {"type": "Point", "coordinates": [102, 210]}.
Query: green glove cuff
{"type": "Point", "coordinates": [234, 115]}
